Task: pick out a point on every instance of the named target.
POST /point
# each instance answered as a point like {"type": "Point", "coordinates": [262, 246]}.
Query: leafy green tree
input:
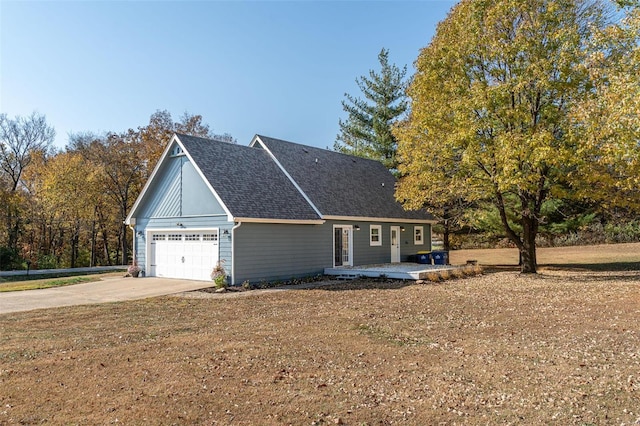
{"type": "Point", "coordinates": [367, 130]}
{"type": "Point", "coordinates": [492, 107]}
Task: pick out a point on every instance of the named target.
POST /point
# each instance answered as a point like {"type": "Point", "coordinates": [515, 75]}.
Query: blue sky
{"type": "Point", "coordinates": [278, 68]}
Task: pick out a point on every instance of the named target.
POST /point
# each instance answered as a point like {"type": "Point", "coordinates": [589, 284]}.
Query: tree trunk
{"type": "Point", "coordinates": [529, 262]}
{"type": "Point", "coordinates": [445, 236]}
{"type": "Point", "coordinates": [528, 257]}
{"type": "Point", "coordinates": [92, 259]}
{"type": "Point", "coordinates": [527, 243]}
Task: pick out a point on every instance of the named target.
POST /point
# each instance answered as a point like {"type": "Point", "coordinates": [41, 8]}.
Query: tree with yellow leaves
{"type": "Point", "coordinates": [495, 111]}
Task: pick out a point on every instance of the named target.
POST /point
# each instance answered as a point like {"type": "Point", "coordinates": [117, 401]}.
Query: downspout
{"type": "Point", "coordinates": [133, 243]}
{"type": "Point", "coordinates": [233, 253]}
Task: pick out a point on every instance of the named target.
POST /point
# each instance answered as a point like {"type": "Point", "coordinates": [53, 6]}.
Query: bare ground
{"type": "Point", "coordinates": [559, 348]}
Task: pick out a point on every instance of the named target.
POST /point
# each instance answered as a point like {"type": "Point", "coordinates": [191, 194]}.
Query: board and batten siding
{"type": "Point", "coordinates": [269, 252]}
{"type": "Point", "coordinates": [179, 195]}
{"type": "Point", "coordinates": [178, 190]}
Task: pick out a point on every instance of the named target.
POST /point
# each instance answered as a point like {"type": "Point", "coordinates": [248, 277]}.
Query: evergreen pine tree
{"type": "Point", "coordinates": [367, 130]}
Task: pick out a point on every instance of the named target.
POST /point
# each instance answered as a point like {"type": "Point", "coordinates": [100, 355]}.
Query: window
{"type": "Point", "coordinates": [192, 237]}
{"type": "Point", "coordinates": [210, 237]}
{"type": "Point", "coordinates": [158, 237]}
{"type": "Point", "coordinates": [174, 237]}
{"type": "Point", "coordinates": [418, 235]}
{"type": "Point", "coordinates": [375, 235]}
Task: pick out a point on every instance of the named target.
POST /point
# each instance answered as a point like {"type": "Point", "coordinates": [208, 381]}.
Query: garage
{"type": "Point", "coordinates": [189, 255]}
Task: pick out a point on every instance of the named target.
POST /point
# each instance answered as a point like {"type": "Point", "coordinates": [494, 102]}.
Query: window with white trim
{"type": "Point", "coordinates": [375, 235]}
{"type": "Point", "coordinates": [418, 235]}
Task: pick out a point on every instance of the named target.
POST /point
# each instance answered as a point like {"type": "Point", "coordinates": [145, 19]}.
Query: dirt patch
{"type": "Point", "coordinates": [559, 348]}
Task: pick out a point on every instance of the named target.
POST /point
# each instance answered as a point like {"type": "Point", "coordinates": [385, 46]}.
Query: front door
{"type": "Point", "coordinates": [395, 244]}
{"type": "Point", "coordinates": [342, 248]}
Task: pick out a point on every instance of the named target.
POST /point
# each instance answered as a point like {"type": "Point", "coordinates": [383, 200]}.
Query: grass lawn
{"type": "Point", "coordinates": [33, 282]}
{"type": "Point", "coordinates": [562, 347]}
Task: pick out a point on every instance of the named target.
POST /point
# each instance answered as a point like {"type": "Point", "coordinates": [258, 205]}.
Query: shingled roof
{"type": "Point", "coordinates": [247, 180]}
{"type": "Point", "coordinates": [339, 184]}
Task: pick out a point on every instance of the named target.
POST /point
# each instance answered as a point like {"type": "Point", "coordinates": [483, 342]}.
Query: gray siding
{"type": "Point", "coordinates": [277, 251]}
{"type": "Point", "coordinates": [365, 254]}
{"type": "Point", "coordinates": [280, 251]}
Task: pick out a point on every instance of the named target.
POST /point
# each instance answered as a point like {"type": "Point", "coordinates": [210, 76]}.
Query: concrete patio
{"type": "Point", "coordinates": [400, 271]}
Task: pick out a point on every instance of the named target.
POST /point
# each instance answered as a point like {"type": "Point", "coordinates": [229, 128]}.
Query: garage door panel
{"type": "Point", "coordinates": [186, 255]}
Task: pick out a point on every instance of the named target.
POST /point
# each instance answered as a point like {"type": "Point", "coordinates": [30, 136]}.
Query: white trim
{"type": "Point", "coordinates": [233, 252]}
{"type": "Point", "coordinates": [182, 229]}
{"type": "Point", "coordinates": [415, 240]}
{"type": "Point", "coordinates": [398, 240]}
{"type": "Point", "coordinates": [350, 228]}
{"type": "Point", "coordinates": [375, 243]}
{"type": "Point", "coordinates": [175, 139]}
{"type": "Point", "coordinates": [188, 216]}
{"type": "Point", "coordinates": [287, 221]}
{"type": "Point", "coordinates": [380, 219]}
{"type": "Point", "coordinates": [148, 240]}
{"type": "Point", "coordinates": [206, 181]}
{"type": "Point", "coordinates": [256, 138]}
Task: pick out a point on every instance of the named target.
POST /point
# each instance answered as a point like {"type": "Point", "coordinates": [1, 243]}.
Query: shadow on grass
{"type": "Point", "coordinates": [593, 267]}
{"type": "Point", "coordinates": [367, 284]}
{"type": "Point", "coordinates": [597, 267]}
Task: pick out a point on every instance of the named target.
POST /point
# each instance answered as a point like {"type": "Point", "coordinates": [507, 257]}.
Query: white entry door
{"type": "Point", "coordinates": [395, 244]}
{"type": "Point", "coordinates": [187, 255]}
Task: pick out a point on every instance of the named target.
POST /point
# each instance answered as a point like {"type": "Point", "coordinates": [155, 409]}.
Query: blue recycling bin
{"type": "Point", "coordinates": [424, 257]}
{"type": "Point", "coordinates": [440, 257]}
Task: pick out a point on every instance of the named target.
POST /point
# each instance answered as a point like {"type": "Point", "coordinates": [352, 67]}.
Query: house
{"type": "Point", "coordinates": [272, 210]}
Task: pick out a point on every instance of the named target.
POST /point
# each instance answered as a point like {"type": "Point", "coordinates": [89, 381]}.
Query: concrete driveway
{"type": "Point", "coordinates": [110, 289]}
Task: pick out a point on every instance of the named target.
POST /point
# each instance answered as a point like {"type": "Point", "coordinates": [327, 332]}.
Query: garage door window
{"type": "Point", "coordinates": [192, 237]}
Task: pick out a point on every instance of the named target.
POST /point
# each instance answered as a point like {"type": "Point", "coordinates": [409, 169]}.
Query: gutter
{"type": "Point", "coordinates": [233, 253]}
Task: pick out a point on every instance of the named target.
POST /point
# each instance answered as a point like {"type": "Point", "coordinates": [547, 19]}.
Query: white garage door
{"type": "Point", "coordinates": [188, 255]}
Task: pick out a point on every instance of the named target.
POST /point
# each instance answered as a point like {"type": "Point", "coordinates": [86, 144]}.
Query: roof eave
{"type": "Point", "coordinates": [379, 219]}
{"type": "Point", "coordinates": [147, 184]}
{"type": "Point", "coordinates": [281, 221]}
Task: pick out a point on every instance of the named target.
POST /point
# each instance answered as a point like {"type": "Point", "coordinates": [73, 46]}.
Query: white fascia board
{"type": "Point", "coordinates": [256, 138]}
{"type": "Point", "coordinates": [175, 139]}
{"type": "Point", "coordinates": [380, 219]}
{"type": "Point", "coordinates": [206, 181]}
{"type": "Point", "coordinates": [283, 221]}
{"type": "Point", "coordinates": [148, 183]}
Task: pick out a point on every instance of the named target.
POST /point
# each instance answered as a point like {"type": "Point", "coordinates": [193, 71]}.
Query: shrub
{"type": "Point", "coordinates": [133, 269]}
{"type": "Point", "coordinates": [47, 261]}
{"type": "Point", "coordinates": [9, 259]}
{"type": "Point", "coordinates": [219, 275]}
